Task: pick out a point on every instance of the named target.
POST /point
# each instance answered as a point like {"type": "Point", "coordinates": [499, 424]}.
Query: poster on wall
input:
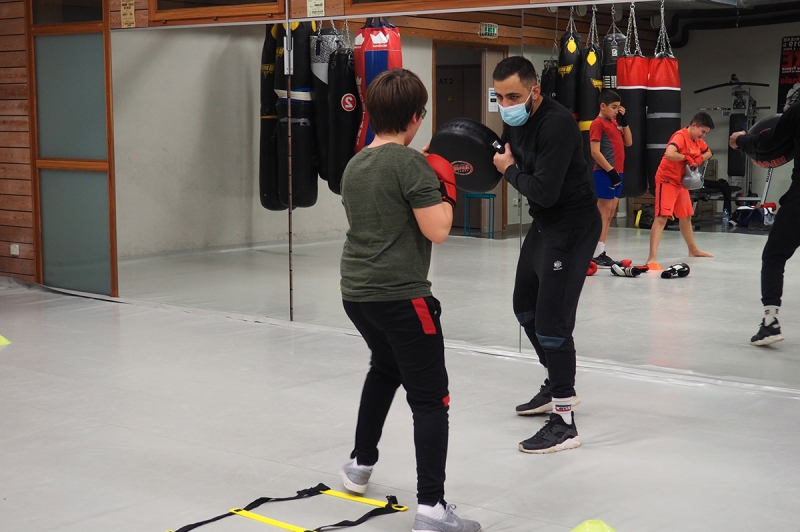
{"type": "Point", "coordinates": [789, 77]}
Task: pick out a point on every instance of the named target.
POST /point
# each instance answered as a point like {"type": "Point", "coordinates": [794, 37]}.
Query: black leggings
{"type": "Point", "coordinates": [550, 275]}
{"type": "Point", "coordinates": [783, 240]}
{"type": "Point", "coordinates": [407, 346]}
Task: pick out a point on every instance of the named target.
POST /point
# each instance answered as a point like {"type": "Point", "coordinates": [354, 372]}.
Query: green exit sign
{"type": "Point", "coordinates": [488, 30]}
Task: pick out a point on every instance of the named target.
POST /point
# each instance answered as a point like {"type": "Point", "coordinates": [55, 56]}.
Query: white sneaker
{"type": "Point", "coordinates": [355, 477]}
{"type": "Point", "coordinates": [449, 523]}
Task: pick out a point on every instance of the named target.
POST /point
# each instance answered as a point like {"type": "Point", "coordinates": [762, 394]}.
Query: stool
{"type": "Point", "coordinates": [474, 195]}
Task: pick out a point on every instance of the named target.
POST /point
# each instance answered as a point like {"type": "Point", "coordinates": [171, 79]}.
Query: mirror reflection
{"type": "Point", "coordinates": [192, 229]}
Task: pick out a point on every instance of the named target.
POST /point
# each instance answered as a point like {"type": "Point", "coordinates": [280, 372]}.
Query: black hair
{"type": "Point", "coordinates": [608, 97]}
{"type": "Point", "coordinates": [516, 64]}
{"type": "Point", "coordinates": [703, 119]}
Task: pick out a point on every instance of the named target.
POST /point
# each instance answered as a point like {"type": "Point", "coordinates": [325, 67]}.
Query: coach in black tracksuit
{"type": "Point", "coordinates": [544, 161]}
{"type": "Point", "coordinates": [784, 238]}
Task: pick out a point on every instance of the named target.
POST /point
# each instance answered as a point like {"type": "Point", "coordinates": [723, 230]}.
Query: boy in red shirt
{"type": "Point", "coordinates": [686, 147]}
{"type": "Point", "coordinates": [609, 134]}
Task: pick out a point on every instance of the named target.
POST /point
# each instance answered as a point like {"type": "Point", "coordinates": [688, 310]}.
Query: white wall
{"type": "Point", "coordinates": [186, 128]}
{"type": "Point", "coordinates": [753, 54]}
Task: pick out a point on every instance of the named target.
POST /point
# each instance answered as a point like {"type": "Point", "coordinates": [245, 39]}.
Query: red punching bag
{"type": "Point", "coordinates": [632, 73]}
{"type": "Point", "coordinates": [377, 49]}
{"type": "Point", "coordinates": [663, 103]}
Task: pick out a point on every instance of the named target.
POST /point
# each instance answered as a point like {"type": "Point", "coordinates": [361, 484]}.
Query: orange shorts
{"type": "Point", "coordinates": [672, 200]}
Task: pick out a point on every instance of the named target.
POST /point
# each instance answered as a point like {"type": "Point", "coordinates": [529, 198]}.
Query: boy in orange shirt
{"type": "Point", "coordinates": [685, 147]}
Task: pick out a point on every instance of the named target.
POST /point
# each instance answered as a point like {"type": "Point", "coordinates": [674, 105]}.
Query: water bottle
{"type": "Point", "coordinates": [726, 218]}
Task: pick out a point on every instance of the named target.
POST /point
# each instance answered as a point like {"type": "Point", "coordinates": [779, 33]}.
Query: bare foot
{"type": "Point", "coordinates": [699, 253]}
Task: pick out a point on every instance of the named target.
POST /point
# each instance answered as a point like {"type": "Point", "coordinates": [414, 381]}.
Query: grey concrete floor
{"type": "Point", "coordinates": [184, 398]}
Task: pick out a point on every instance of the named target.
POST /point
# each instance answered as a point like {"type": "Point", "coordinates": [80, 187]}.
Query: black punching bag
{"type": "Point", "coordinates": [305, 165]}
{"type": "Point", "coordinates": [591, 83]}
{"type": "Point", "coordinates": [613, 46]}
{"type": "Point", "coordinates": [323, 44]}
{"type": "Point", "coordinates": [268, 149]}
{"type": "Point", "coordinates": [549, 78]}
{"type": "Point", "coordinates": [737, 161]}
{"type": "Point", "coordinates": [344, 114]}
{"type": "Point", "coordinates": [569, 65]}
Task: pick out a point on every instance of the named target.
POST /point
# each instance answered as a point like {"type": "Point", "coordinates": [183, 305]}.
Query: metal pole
{"type": "Point", "coordinates": [288, 57]}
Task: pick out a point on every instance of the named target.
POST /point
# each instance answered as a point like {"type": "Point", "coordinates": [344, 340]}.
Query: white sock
{"type": "Point", "coordinates": [434, 512]}
{"type": "Point", "coordinates": [601, 247]}
{"type": "Point", "coordinates": [367, 467]}
{"type": "Point", "coordinates": [770, 313]}
{"type": "Point", "coordinates": [563, 407]}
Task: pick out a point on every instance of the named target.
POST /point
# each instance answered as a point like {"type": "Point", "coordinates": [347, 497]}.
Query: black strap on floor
{"type": "Point", "coordinates": [390, 508]}
{"type": "Point", "coordinates": [302, 494]}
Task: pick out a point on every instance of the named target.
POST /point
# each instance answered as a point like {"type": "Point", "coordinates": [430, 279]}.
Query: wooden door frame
{"type": "Point", "coordinates": [37, 164]}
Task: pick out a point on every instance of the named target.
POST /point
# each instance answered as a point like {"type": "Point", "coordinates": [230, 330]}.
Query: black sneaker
{"type": "Point", "coordinates": [767, 334]}
{"type": "Point", "coordinates": [542, 402]}
{"type": "Point", "coordinates": [604, 261]}
{"type": "Point", "coordinates": [555, 436]}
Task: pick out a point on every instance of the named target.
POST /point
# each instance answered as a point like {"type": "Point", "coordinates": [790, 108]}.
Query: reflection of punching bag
{"type": "Point", "coordinates": [632, 74]}
{"type": "Point", "coordinates": [344, 110]}
{"type": "Point", "coordinates": [613, 46]}
{"type": "Point", "coordinates": [569, 65]}
{"type": "Point", "coordinates": [663, 111]}
{"type": "Point", "coordinates": [737, 161]}
{"type": "Point", "coordinates": [305, 164]}
{"type": "Point", "coordinates": [268, 149]}
{"type": "Point", "coordinates": [591, 83]}
{"type": "Point", "coordinates": [376, 49]}
{"type": "Point", "coordinates": [589, 87]}
{"type": "Point", "coordinates": [549, 78]}
{"type": "Point", "coordinates": [323, 43]}
{"type": "Point", "coordinates": [302, 79]}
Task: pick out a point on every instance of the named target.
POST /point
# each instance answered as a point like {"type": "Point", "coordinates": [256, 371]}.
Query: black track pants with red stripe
{"type": "Point", "coordinates": [407, 346]}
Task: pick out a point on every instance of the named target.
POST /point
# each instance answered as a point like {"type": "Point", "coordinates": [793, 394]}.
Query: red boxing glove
{"type": "Point", "coordinates": [447, 178]}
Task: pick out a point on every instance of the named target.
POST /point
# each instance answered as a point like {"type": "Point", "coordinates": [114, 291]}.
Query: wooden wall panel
{"type": "Point", "coordinates": [15, 187]}
{"type": "Point", "coordinates": [141, 14]}
{"type": "Point", "coordinates": [16, 184]}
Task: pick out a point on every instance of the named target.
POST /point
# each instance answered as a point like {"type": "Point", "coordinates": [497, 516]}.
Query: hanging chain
{"type": "Point", "coordinates": [633, 31]}
{"type": "Point", "coordinates": [663, 44]}
{"type": "Point", "coordinates": [571, 24]}
{"type": "Point", "coordinates": [612, 29]}
{"type": "Point", "coordinates": [554, 51]}
{"type": "Point", "coordinates": [348, 41]}
{"type": "Point", "coordinates": [593, 38]}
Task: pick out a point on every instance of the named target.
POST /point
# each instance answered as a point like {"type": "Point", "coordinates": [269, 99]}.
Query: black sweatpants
{"type": "Point", "coordinates": [550, 275]}
{"type": "Point", "coordinates": [783, 240]}
{"type": "Point", "coordinates": [407, 346]}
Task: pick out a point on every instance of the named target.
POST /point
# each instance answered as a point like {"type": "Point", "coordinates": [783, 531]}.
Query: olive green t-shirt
{"type": "Point", "coordinates": [386, 257]}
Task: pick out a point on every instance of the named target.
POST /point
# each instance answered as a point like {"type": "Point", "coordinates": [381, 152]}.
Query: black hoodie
{"type": "Point", "coordinates": [551, 170]}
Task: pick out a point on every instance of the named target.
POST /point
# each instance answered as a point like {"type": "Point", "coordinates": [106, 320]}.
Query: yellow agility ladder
{"type": "Point", "coordinates": [382, 508]}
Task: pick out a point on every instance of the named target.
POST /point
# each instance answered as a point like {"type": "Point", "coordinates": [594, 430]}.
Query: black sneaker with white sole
{"type": "Point", "coordinates": [604, 261]}
{"type": "Point", "coordinates": [542, 402]}
{"type": "Point", "coordinates": [555, 436]}
{"type": "Point", "coordinates": [767, 334]}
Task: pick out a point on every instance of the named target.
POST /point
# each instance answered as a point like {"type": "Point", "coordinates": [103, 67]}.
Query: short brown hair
{"type": "Point", "coordinates": [393, 98]}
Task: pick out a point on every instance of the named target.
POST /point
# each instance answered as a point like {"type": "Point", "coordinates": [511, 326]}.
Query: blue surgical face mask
{"type": "Point", "coordinates": [515, 115]}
